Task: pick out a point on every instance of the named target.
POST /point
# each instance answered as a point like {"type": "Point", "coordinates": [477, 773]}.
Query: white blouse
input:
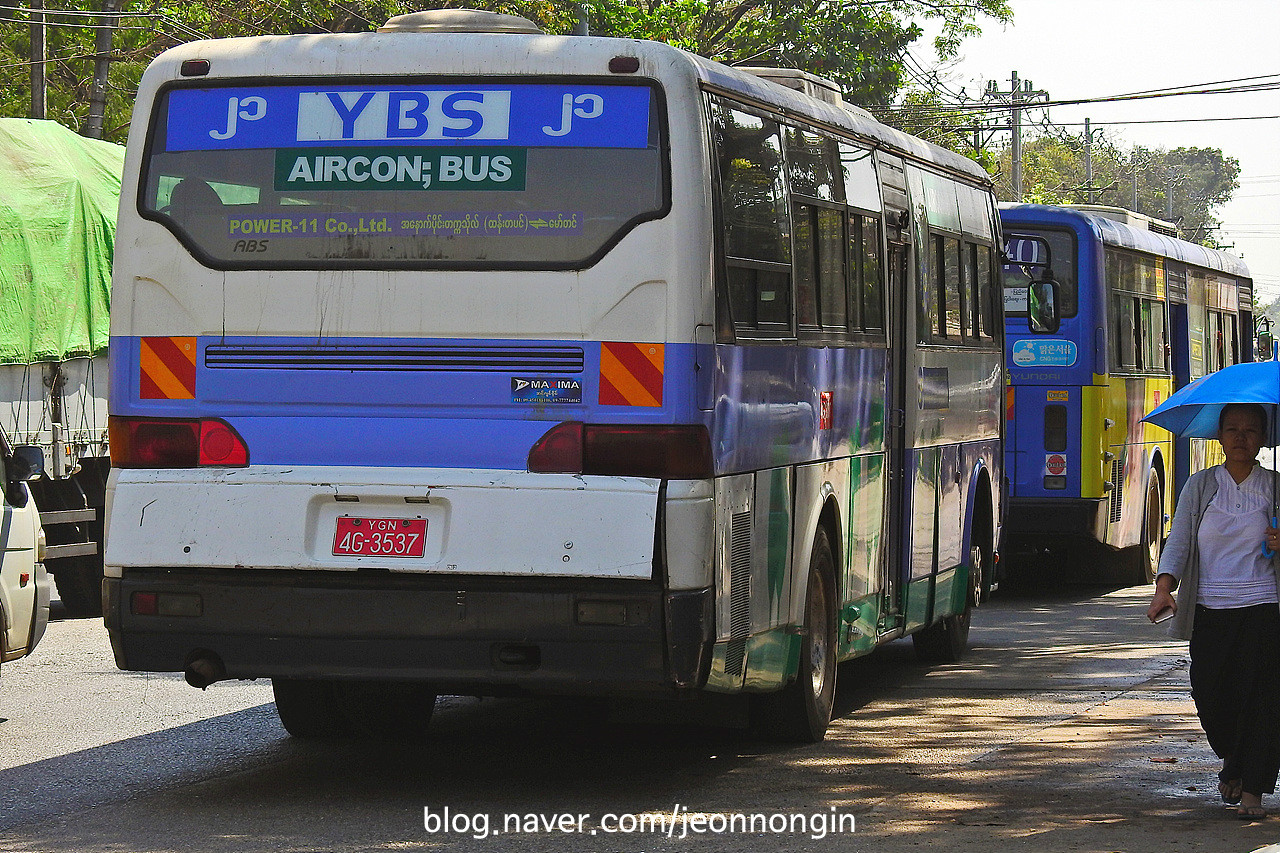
{"type": "Point", "coordinates": [1233, 572]}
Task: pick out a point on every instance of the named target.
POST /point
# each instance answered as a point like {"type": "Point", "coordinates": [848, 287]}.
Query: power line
{"type": "Point", "coordinates": [1203, 89]}
{"type": "Point", "coordinates": [1164, 121]}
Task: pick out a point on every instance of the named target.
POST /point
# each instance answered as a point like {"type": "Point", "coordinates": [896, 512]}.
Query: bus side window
{"type": "Point", "coordinates": [757, 238]}
{"type": "Point", "coordinates": [833, 298]}
{"type": "Point", "coordinates": [948, 291]}
{"type": "Point", "coordinates": [803, 228]}
{"type": "Point", "coordinates": [1154, 336]}
{"type": "Point", "coordinates": [1124, 348]}
{"type": "Point", "coordinates": [856, 271]}
{"type": "Point", "coordinates": [988, 292]}
{"type": "Point", "coordinates": [969, 289]}
{"type": "Point", "coordinates": [872, 276]}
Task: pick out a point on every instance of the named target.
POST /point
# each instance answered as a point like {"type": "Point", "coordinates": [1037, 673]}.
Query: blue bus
{"type": "Point", "coordinates": [1142, 313]}
{"type": "Point", "coordinates": [461, 358]}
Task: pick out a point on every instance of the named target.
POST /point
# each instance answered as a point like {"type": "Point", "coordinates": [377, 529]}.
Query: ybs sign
{"type": "Point", "coordinates": [289, 116]}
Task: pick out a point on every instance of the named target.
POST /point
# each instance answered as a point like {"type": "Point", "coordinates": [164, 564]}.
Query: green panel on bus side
{"type": "Point", "coordinates": [867, 436]}
{"type": "Point", "coordinates": [719, 681]}
{"type": "Point", "coordinates": [864, 555]}
{"type": "Point", "coordinates": [918, 595]}
{"type": "Point", "coordinates": [923, 544]}
{"type": "Point", "coordinates": [949, 592]}
{"type": "Point", "coordinates": [773, 659]}
{"type": "Point", "coordinates": [864, 545]}
{"type": "Point", "coordinates": [774, 498]}
{"type": "Point", "coordinates": [858, 626]}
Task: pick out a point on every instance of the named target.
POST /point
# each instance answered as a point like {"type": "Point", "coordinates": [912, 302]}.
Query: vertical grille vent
{"type": "Point", "coordinates": [1117, 489]}
{"type": "Point", "coordinates": [739, 591]}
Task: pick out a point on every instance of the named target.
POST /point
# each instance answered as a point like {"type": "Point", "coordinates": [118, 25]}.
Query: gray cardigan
{"type": "Point", "coordinates": [1181, 551]}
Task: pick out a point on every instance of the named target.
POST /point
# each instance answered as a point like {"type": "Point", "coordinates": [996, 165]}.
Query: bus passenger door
{"type": "Point", "coordinates": [894, 565]}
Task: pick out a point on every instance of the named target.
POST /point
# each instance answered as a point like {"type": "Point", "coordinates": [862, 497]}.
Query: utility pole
{"type": "Point", "coordinates": [1088, 163]}
{"type": "Point", "coordinates": [1020, 95]}
{"type": "Point", "coordinates": [101, 70]}
{"type": "Point", "coordinates": [39, 98]}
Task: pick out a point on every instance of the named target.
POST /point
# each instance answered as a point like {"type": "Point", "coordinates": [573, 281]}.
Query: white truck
{"type": "Point", "coordinates": [24, 585]}
{"type": "Point", "coordinates": [57, 233]}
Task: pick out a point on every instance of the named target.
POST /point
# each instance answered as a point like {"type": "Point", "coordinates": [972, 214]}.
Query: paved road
{"type": "Point", "coordinates": [1067, 728]}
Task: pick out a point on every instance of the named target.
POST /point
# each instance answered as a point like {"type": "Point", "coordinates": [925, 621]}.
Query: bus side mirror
{"type": "Point", "coordinates": [1042, 307]}
{"type": "Point", "coordinates": [27, 463]}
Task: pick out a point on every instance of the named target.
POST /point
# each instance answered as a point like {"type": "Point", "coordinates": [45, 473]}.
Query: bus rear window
{"type": "Point", "coordinates": [1062, 248]}
{"type": "Point", "coordinates": [413, 175]}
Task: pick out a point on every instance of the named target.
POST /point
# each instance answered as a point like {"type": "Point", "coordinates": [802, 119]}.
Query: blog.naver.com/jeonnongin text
{"type": "Point", "coordinates": [679, 822]}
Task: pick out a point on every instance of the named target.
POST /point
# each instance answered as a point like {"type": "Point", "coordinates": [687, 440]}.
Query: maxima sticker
{"type": "Point", "coordinates": [546, 390]}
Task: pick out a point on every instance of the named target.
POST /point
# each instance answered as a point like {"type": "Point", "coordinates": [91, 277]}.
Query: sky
{"type": "Point", "coordinates": [1100, 48]}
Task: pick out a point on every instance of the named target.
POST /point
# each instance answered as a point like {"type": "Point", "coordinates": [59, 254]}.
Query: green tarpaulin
{"type": "Point", "coordinates": [58, 197]}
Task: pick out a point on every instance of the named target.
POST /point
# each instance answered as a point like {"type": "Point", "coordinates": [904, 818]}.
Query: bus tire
{"type": "Point", "coordinates": [947, 640]}
{"type": "Point", "coordinates": [1146, 560]}
{"type": "Point", "coordinates": [801, 711]}
{"type": "Point", "coordinates": [310, 709]}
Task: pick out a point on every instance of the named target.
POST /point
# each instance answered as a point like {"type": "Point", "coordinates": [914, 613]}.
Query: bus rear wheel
{"type": "Point", "coordinates": [1145, 562]}
{"type": "Point", "coordinates": [946, 641]}
{"type": "Point", "coordinates": [801, 711]}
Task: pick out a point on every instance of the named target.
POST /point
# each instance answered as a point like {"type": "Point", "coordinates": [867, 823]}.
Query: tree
{"type": "Point", "coordinates": [857, 43]}
{"type": "Point", "coordinates": [1138, 179]}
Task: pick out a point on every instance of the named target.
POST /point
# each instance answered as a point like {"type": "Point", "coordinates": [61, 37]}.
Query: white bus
{"type": "Point", "coordinates": [461, 358]}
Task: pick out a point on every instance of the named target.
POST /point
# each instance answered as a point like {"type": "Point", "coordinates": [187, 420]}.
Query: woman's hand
{"type": "Point", "coordinates": [1163, 599]}
{"type": "Point", "coordinates": [1273, 539]}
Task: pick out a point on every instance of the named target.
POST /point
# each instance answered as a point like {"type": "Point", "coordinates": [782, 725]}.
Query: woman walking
{"type": "Point", "coordinates": [1228, 606]}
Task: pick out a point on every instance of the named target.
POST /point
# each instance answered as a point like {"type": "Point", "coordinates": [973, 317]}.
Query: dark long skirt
{"type": "Point", "coordinates": [1235, 683]}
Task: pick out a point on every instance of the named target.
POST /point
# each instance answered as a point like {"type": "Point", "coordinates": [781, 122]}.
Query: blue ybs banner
{"type": "Point", "coordinates": [290, 116]}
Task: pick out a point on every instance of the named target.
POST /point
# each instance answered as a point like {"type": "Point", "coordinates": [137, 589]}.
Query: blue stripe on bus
{"type": "Point", "coordinates": [340, 406]}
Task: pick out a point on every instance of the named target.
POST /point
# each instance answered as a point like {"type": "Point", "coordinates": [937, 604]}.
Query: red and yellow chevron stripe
{"type": "Point", "coordinates": [168, 369]}
{"type": "Point", "coordinates": [630, 374]}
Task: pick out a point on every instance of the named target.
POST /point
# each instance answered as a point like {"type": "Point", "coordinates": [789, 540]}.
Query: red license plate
{"type": "Point", "coordinates": [380, 537]}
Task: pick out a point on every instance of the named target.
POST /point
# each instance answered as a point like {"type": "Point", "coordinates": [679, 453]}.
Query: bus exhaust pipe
{"type": "Point", "coordinates": [204, 668]}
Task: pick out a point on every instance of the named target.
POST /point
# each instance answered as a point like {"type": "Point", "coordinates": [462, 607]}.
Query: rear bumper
{"type": "Point", "coordinates": [466, 635]}
{"type": "Point", "coordinates": [1032, 519]}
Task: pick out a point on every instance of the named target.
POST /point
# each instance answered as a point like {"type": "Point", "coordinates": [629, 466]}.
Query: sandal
{"type": "Point", "coordinates": [1231, 791]}
{"type": "Point", "coordinates": [1251, 812]}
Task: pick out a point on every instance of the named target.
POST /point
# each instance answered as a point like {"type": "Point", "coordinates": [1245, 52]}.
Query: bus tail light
{"type": "Point", "coordinates": [623, 450]}
{"type": "Point", "coordinates": [175, 443]}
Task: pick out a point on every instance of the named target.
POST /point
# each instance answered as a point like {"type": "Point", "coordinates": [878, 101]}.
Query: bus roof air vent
{"type": "Point", "coordinates": [801, 81]}
{"type": "Point", "coordinates": [1128, 217]}
{"type": "Point", "coordinates": [459, 21]}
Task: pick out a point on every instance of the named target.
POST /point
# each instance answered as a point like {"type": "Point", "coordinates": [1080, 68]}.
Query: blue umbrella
{"type": "Point", "coordinates": [1193, 410]}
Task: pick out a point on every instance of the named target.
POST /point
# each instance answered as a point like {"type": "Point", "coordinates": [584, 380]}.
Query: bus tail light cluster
{"type": "Point", "coordinates": [624, 450]}
{"type": "Point", "coordinates": [175, 443]}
